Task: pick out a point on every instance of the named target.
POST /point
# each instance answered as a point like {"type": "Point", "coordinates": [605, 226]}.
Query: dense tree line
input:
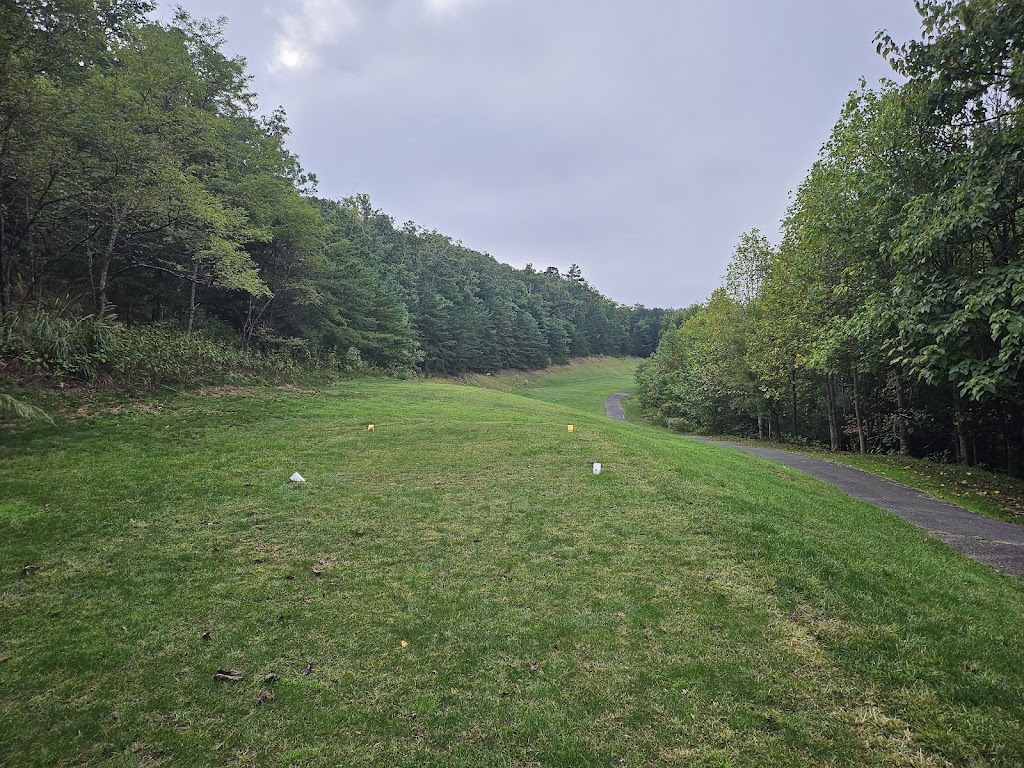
{"type": "Point", "coordinates": [891, 315]}
{"type": "Point", "coordinates": [139, 185]}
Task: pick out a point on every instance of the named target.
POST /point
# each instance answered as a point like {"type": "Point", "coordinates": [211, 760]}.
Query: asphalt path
{"type": "Point", "coordinates": [613, 406]}
{"type": "Point", "coordinates": [993, 542]}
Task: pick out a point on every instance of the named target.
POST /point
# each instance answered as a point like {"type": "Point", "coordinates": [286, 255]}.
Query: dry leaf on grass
{"type": "Point", "coordinates": [307, 670]}
{"type": "Point", "coordinates": [228, 675]}
{"type": "Point", "coordinates": [264, 696]}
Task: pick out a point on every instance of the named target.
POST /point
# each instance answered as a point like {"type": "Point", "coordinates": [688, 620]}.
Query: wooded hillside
{"type": "Point", "coordinates": [140, 187]}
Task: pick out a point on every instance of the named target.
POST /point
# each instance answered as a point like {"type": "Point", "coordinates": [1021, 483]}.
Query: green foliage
{"type": "Point", "coordinates": [891, 316]}
{"type": "Point", "coordinates": [152, 355]}
{"type": "Point", "coordinates": [139, 184]}
{"type": "Point", "coordinates": [20, 409]}
{"type": "Point", "coordinates": [66, 348]}
{"type": "Point", "coordinates": [699, 379]}
{"type": "Point", "coordinates": [469, 313]}
{"type": "Point", "coordinates": [65, 351]}
{"type": "Point", "coordinates": [958, 245]}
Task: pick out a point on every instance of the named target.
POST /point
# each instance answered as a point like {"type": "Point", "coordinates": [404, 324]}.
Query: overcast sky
{"type": "Point", "coordinates": [636, 139]}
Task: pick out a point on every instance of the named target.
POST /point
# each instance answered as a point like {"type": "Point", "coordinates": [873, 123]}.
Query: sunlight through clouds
{"type": "Point", "coordinates": [314, 25]}
{"type": "Point", "coordinates": [446, 6]}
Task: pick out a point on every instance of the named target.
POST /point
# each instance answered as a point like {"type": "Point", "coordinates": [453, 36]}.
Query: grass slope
{"type": "Point", "coordinates": [582, 384]}
{"type": "Point", "coordinates": [469, 593]}
{"type": "Point", "coordinates": [987, 493]}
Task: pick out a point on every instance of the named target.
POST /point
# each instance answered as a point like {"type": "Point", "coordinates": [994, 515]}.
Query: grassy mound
{"type": "Point", "coordinates": [457, 588]}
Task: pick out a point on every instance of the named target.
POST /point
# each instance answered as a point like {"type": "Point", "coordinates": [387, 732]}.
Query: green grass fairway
{"type": "Point", "coordinates": [988, 493]}
{"type": "Point", "coordinates": [582, 384]}
{"type": "Point", "coordinates": [458, 589]}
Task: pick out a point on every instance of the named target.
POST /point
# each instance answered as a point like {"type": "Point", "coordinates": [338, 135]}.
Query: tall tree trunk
{"type": "Point", "coordinates": [5, 263]}
{"type": "Point", "coordinates": [192, 297]}
{"type": "Point", "coordinates": [4, 282]}
{"type": "Point", "coordinates": [792, 390]}
{"type": "Point", "coordinates": [862, 439]}
{"type": "Point", "coordinates": [960, 422]}
{"type": "Point", "coordinates": [250, 323]}
{"type": "Point", "coordinates": [1013, 438]}
{"type": "Point", "coordinates": [760, 427]}
{"type": "Point", "coordinates": [108, 255]}
{"type": "Point", "coordinates": [833, 416]}
{"type": "Point", "coordinates": [101, 297]}
{"type": "Point", "coordinates": [901, 414]}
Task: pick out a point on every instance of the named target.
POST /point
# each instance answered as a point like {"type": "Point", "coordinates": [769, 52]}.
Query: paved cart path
{"type": "Point", "coordinates": [613, 406]}
{"type": "Point", "coordinates": [994, 542]}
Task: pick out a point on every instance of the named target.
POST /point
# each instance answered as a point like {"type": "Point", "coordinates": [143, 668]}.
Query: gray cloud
{"type": "Point", "coordinates": [637, 140]}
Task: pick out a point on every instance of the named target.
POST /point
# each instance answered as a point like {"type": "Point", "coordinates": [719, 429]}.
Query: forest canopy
{"type": "Point", "coordinates": [890, 317]}
{"type": "Point", "coordinates": [142, 190]}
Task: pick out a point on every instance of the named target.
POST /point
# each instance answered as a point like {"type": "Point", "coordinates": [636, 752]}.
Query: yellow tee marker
{"type": "Point", "coordinates": [370, 428]}
{"type": "Point", "coordinates": [570, 427]}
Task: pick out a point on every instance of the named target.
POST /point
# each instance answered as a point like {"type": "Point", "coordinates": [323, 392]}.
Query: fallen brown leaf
{"type": "Point", "coordinates": [207, 635]}
{"type": "Point", "coordinates": [308, 669]}
{"type": "Point", "coordinates": [264, 696]}
{"type": "Point", "coordinates": [271, 678]}
{"type": "Point", "coordinates": [27, 569]}
{"type": "Point", "coordinates": [228, 675]}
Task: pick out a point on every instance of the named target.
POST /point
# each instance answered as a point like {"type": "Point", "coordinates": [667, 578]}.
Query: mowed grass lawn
{"type": "Point", "coordinates": [458, 588]}
{"type": "Point", "coordinates": [582, 384]}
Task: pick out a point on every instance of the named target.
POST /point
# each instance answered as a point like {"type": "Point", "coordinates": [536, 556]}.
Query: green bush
{"type": "Point", "coordinates": [40, 345]}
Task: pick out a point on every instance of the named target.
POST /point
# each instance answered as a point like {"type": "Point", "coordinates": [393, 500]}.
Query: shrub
{"type": "Point", "coordinates": [40, 345]}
